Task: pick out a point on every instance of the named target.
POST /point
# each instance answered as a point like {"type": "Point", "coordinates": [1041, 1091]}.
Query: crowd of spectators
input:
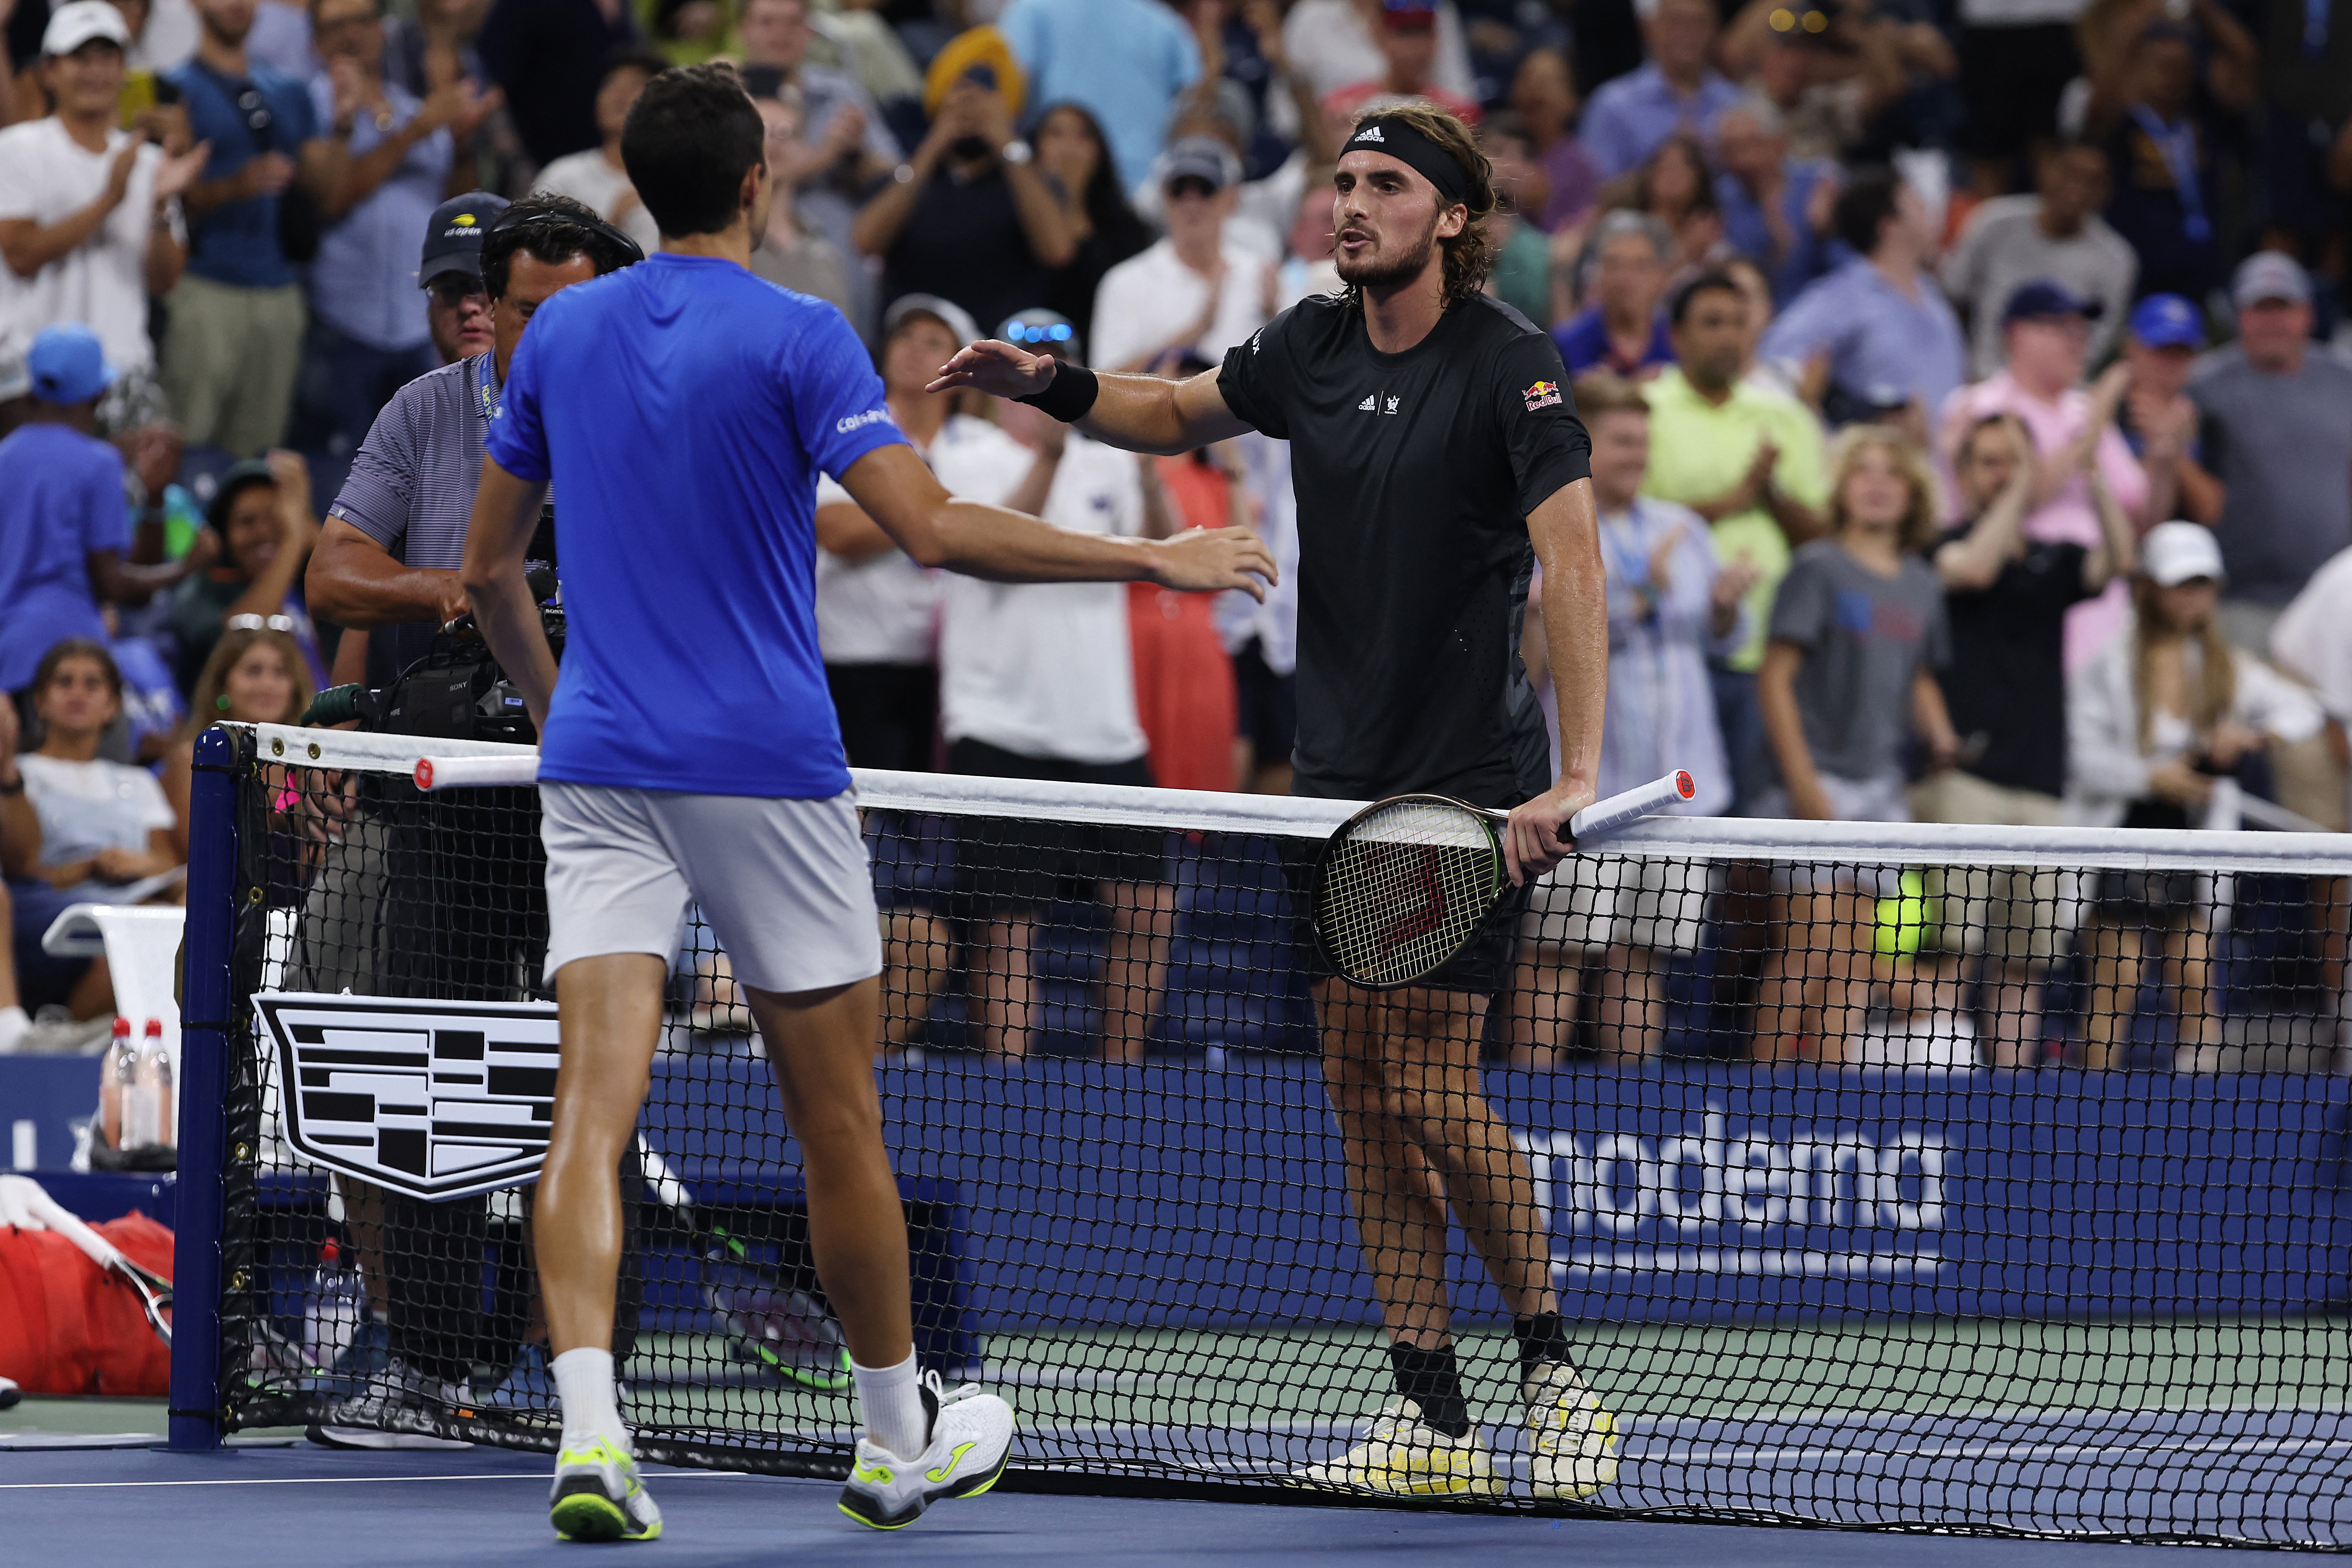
{"type": "Point", "coordinates": [1971, 434]}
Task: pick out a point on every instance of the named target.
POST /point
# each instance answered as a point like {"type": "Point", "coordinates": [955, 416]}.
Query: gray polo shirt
{"type": "Point", "coordinates": [2282, 444]}
{"type": "Point", "coordinates": [412, 486]}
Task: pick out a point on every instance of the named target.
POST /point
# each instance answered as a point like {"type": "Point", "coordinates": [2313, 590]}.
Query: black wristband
{"type": "Point", "coordinates": [1069, 395]}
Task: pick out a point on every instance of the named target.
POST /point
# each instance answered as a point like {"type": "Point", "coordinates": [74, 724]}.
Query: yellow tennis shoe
{"type": "Point", "coordinates": [1403, 1456]}
{"type": "Point", "coordinates": [1572, 1440]}
{"type": "Point", "coordinates": [597, 1496]}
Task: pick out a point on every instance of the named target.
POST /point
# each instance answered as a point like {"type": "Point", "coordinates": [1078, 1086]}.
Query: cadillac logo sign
{"type": "Point", "coordinates": [434, 1099]}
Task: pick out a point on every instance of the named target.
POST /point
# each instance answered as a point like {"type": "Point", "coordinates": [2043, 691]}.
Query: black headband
{"type": "Point", "coordinates": [1402, 140]}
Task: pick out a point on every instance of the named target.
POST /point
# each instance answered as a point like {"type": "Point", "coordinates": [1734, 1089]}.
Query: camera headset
{"type": "Point", "coordinates": [518, 217]}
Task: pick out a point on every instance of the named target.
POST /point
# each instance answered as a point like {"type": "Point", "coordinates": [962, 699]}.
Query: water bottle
{"type": "Point", "coordinates": [153, 1077]}
{"type": "Point", "coordinates": [119, 1087]}
{"type": "Point", "coordinates": [337, 1302]}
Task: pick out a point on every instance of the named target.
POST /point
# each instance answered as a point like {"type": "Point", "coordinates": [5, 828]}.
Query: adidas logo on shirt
{"type": "Point", "coordinates": [1368, 404]}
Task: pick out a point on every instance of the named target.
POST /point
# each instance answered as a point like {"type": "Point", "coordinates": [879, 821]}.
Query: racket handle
{"type": "Point", "coordinates": [474, 772]}
{"type": "Point", "coordinates": [1604, 818]}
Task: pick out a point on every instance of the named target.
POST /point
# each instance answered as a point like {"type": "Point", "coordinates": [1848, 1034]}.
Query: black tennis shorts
{"type": "Point", "coordinates": [1481, 969]}
{"type": "Point", "coordinates": [1022, 862]}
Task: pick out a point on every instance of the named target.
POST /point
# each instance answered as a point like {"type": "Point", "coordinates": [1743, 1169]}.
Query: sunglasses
{"type": "Point", "coordinates": [261, 624]}
{"type": "Point", "coordinates": [1189, 185]}
{"type": "Point", "coordinates": [449, 292]}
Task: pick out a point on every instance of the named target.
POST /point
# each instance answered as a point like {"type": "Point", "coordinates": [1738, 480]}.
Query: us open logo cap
{"type": "Point", "coordinates": [453, 236]}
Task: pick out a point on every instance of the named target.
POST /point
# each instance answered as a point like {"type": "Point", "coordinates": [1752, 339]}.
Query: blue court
{"type": "Point", "coordinates": [292, 1504]}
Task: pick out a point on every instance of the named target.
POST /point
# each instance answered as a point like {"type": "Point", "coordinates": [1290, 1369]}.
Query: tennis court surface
{"type": "Point", "coordinates": [273, 1501]}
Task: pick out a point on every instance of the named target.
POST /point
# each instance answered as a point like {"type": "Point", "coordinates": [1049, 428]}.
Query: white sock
{"type": "Point", "coordinates": [584, 1381]}
{"type": "Point", "coordinates": [891, 1399]}
{"type": "Point", "coordinates": [12, 1025]}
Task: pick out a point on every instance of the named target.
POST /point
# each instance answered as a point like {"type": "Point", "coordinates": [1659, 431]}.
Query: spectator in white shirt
{"type": "Point", "coordinates": [1331, 43]}
{"type": "Point", "coordinates": [1197, 292]}
{"type": "Point", "coordinates": [1038, 681]}
{"type": "Point", "coordinates": [2157, 715]}
{"type": "Point", "coordinates": [89, 223]}
{"type": "Point", "coordinates": [596, 175]}
{"type": "Point", "coordinates": [105, 827]}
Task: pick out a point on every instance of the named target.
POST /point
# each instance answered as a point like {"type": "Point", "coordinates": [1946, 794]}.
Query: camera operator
{"type": "Point", "coordinates": [418, 897]}
{"type": "Point", "coordinates": [386, 562]}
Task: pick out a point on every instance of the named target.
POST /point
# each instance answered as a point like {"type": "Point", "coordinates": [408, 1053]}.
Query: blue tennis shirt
{"type": "Point", "coordinates": [683, 409]}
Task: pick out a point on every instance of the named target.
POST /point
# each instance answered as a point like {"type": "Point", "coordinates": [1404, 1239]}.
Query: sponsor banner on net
{"type": "Point", "coordinates": [1806, 1199]}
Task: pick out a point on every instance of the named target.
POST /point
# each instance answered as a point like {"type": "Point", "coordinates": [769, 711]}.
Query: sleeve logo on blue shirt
{"type": "Point", "coordinates": [855, 422]}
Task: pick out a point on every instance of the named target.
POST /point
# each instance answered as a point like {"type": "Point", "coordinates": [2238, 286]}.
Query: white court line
{"type": "Point", "coordinates": [2150, 1452]}
{"type": "Point", "coordinates": [323, 1480]}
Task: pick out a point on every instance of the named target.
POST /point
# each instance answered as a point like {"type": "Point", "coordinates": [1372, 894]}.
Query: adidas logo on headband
{"type": "Point", "coordinates": [1370, 134]}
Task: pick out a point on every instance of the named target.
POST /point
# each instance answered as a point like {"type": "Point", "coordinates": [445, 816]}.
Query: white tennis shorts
{"type": "Point", "coordinates": [785, 884]}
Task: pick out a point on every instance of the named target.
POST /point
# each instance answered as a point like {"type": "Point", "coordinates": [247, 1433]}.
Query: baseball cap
{"type": "Point", "coordinates": [1408, 16]}
{"type": "Point", "coordinates": [452, 236]}
{"type": "Point", "coordinates": [66, 363]}
{"type": "Point", "coordinates": [2168, 321]}
{"type": "Point", "coordinates": [2269, 274]}
{"type": "Point", "coordinates": [954, 317]}
{"type": "Point", "coordinates": [77, 22]}
{"type": "Point", "coordinates": [2178, 552]}
{"type": "Point", "coordinates": [1047, 330]}
{"type": "Point", "coordinates": [1200, 158]}
{"type": "Point", "coordinates": [2046, 296]}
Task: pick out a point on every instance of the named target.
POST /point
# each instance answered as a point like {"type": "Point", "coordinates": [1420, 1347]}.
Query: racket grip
{"type": "Point", "coordinates": [1604, 818]}
{"type": "Point", "coordinates": [474, 772]}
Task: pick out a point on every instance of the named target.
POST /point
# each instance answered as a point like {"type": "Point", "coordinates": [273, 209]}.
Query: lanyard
{"type": "Point", "coordinates": [487, 397]}
{"type": "Point", "coordinates": [2177, 145]}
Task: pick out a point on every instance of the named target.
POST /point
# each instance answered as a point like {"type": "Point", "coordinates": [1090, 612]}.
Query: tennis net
{"type": "Point", "coordinates": [1965, 1179]}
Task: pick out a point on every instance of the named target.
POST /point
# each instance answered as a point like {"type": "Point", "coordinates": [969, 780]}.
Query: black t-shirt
{"type": "Point", "coordinates": [965, 242]}
{"type": "Point", "coordinates": [2006, 684]}
{"type": "Point", "coordinates": [1415, 473]}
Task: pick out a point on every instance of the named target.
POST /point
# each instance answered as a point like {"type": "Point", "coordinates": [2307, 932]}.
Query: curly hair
{"type": "Point", "coordinates": [1918, 528]}
{"type": "Point", "coordinates": [1470, 255]}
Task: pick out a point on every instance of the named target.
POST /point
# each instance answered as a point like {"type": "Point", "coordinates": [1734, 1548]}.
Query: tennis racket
{"type": "Point", "coordinates": [1405, 884]}
{"type": "Point", "coordinates": [154, 1293]}
{"type": "Point", "coordinates": [765, 1318]}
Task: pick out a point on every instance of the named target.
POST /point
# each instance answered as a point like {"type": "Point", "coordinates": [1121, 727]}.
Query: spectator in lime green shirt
{"type": "Point", "coordinates": [1746, 459]}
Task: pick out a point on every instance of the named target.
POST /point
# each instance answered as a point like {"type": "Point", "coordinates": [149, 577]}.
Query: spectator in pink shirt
{"type": "Point", "coordinates": [2045, 338]}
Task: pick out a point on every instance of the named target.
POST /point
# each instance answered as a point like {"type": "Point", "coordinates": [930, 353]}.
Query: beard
{"type": "Point", "coordinates": [1379, 270]}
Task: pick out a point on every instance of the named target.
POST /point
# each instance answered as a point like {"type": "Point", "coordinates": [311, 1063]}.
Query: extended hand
{"type": "Point", "coordinates": [997, 368]}
{"type": "Point", "coordinates": [1537, 838]}
{"type": "Point", "coordinates": [1208, 560]}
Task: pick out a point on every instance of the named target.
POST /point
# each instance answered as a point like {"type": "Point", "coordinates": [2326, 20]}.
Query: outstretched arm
{"type": "Point", "coordinates": [894, 487]}
{"type": "Point", "coordinates": [1141, 414]}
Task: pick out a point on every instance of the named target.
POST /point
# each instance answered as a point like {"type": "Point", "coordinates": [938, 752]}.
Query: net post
{"type": "Point", "coordinates": [203, 1088]}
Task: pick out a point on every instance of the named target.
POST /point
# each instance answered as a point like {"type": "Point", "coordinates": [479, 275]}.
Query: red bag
{"type": "Point", "coordinates": [68, 1327]}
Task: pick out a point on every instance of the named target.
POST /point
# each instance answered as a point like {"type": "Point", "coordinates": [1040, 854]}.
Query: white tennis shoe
{"type": "Point", "coordinates": [598, 1497]}
{"type": "Point", "coordinates": [1403, 1456]}
{"type": "Point", "coordinates": [971, 1437]}
{"type": "Point", "coordinates": [1572, 1440]}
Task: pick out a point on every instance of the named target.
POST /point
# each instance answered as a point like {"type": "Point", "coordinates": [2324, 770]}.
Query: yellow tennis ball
{"type": "Point", "coordinates": [1905, 920]}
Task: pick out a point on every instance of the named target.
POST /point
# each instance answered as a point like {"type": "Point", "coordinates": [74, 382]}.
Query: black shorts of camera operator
{"type": "Point", "coordinates": [438, 897]}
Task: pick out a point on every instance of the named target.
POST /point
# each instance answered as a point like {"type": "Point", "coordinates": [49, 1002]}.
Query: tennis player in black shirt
{"type": "Point", "coordinates": [1437, 456]}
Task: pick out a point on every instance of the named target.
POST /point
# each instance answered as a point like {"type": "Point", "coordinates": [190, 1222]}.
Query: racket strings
{"type": "Point", "coordinates": [1403, 887]}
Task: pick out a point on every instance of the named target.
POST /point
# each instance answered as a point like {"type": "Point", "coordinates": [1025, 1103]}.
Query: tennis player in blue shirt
{"type": "Point", "coordinates": [683, 408]}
